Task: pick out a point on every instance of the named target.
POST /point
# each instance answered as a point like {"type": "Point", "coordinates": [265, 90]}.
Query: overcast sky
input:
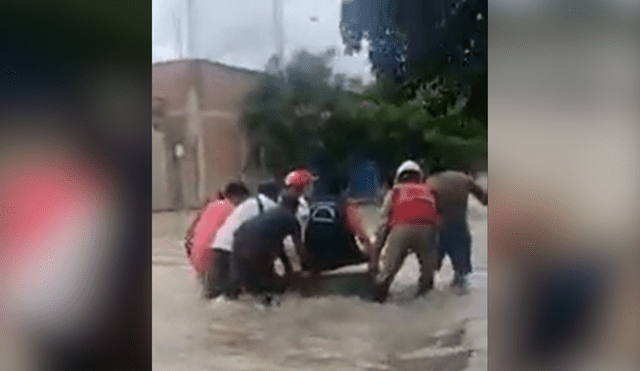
{"type": "Point", "coordinates": [241, 33]}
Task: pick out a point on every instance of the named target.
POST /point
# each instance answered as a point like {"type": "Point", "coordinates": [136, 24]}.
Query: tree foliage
{"type": "Point", "coordinates": [413, 42]}
{"type": "Point", "coordinates": [302, 114]}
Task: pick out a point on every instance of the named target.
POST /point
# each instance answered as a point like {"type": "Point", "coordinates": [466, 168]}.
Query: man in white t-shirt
{"type": "Point", "coordinates": [223, 242]}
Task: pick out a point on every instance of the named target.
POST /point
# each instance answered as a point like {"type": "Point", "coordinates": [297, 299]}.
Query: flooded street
{"type": "Point", "coordinates": [442, 331]}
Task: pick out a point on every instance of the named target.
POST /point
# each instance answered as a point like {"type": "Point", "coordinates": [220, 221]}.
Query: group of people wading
{"type": "Point", "coordinates": [236, 240]}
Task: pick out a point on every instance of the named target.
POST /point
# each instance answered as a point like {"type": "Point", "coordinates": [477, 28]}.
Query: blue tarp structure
{"type": "Point", "coordinates": [365, 180]}
{"type": "Point", "coordinates": [326, 168]}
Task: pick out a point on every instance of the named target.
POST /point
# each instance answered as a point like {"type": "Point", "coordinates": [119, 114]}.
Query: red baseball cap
{"type": "Point", "coordinates": [299, 179]}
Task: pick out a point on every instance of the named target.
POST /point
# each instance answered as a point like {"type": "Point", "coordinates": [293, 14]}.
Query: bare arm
{"type": "Point", "coordinates": [355, 224]}
{"type": "Point", "coordinates": [478, 192]}
{"type": "Point", "coordinates": [298, 245]}
{"type": "Point", "coordinates": [288, 268]}
{"type": "Point", "coordinates": [381, 233]}
{"type": "Point", "coordinates": [356, 227]}
{"type": "Point", "coordinates": [438, 207]}
{"type": "Point", "coordinates": [384, 217]}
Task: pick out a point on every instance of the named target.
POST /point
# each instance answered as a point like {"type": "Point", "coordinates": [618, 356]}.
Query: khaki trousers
{"type": "Point", "coordinates": [420, 239]}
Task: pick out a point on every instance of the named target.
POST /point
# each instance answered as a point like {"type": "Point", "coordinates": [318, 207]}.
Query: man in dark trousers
{"type": "Point", "coordinates": [259, 241]}
{"type": "Point", "coordinates": [453, 189]}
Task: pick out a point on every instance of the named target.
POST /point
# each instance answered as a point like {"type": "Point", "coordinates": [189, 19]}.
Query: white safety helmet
{"type": "Point", "coordinates": [408, 165]}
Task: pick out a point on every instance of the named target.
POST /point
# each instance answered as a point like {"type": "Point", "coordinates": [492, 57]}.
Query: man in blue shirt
{"type": "Point", "coordinates": [259, 241]}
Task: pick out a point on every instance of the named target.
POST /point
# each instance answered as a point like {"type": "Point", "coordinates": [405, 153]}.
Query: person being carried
{"type": "Point", "coordinates": [409, 222]}
{"type": "Point", "coordinates": [453, 189]}
{"type": "Point", "coordinates": [334, 226]}
{"type": "Point", "coordinates": [203, 230]}
{"type": "Point", "coordinates": [259, 242]}
{"type": "Point", "coordinates": [222, 280]}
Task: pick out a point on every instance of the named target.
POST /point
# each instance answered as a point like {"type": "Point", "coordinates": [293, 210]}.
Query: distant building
{"type": "Point", "coordinates": [199, 142]}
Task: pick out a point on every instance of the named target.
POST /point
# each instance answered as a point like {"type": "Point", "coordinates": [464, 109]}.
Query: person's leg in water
{"type": "Point", "coordinates": [214, 278]}
{"type": "Point", "coordinates": [425, 248]}
{"type": "Point", "coordinates": [236, 277]}
{"type": "Point", "coordinates": [271, 284]}
{"type": "Point", "coordinates": [242, 274]}
{"type": "Point", "coordinates": [206, 278]}
{"type": "Point", "coordinates": [456, 242]}
{"type": "Point", "coordinates": [258, 277]}
{"type": "Point", "coordinates": [392, 257]}
{"type": "Point", "coordinates": [440, 251]}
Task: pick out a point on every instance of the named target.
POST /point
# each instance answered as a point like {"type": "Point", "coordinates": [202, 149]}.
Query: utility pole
{"type": "Point", "coordinates": [177, 28]}
{"type": "Point", "coordinates": [279, 31]}
{"type": "Point", "coordinates": [191, 30]}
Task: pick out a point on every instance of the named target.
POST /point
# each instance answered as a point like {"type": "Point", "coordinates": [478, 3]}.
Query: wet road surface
{"type": "Point", "coordinates": [443, 331]}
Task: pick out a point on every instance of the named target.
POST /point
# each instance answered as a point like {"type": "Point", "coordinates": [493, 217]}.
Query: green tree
{"type": "Point", "coordinates": [413, 42]}
{"type": "Point", "coordinates": [302, 114]}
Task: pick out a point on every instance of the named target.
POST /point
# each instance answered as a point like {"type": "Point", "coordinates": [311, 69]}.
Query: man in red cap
{"type": "Point", "coordinates": [299, 182]}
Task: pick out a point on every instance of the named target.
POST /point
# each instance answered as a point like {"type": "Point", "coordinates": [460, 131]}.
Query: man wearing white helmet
{"type": "Point", "coordinates": [409, 224]}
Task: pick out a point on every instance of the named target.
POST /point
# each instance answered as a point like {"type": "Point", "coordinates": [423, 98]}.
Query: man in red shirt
{"type": "Point", "coordinates": [409, 222]}
{"type": "Point", "coordinates": [203, 230]}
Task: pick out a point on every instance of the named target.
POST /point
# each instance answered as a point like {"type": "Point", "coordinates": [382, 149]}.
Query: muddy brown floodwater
{"type": "Point", "coordinates": [443, 331]}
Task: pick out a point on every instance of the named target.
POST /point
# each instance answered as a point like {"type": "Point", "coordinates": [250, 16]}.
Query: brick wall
{"type": "Point", "coordinates": [224, 93]}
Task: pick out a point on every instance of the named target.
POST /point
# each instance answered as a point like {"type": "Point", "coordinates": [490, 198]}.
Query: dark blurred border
{"type": "Point", "coordinates": [563, 116]}
{"type": "Point", "coordinates": [51, 53]}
